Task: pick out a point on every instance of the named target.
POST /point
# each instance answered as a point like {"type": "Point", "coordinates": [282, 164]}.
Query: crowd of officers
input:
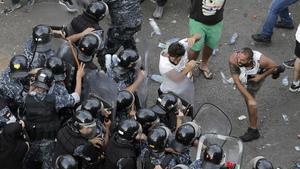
{"type": "Point", "coordinates": [49, 119]}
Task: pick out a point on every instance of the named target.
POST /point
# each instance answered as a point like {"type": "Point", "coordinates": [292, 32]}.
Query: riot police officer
{"type": "Point", "coordinates": [126, 18]}
{"type": "Point", "coordinates": [13, 146]}
{"type": "Point", "coordinates": [125, 106]}
{"type": "Point", "coordinates": [260, 162]}
{"type": "Point", "coordinates": [148, 119]}
{"type": "Point", "coordinates": [14, 82]}
{"type": "Point", "coordinates": [84, 52]}
{"type": "Point", "coordinates": [66, 162]}
{"type": "Point", "coordinates": [58, 68]}
{"type": "Point", "coordinates": [79, 138]}
{"type": "Point", "coordinates": [154, 155]}
{"type": "Point", "coordinates": [39, 48]}
{"type": "Point", "coordinates": [90, 18]}
{"type": "Point", "coordinates": [186, 136]}
{"type": "Point", "coordinates": [212, 156]}
{"type": "Point", "coordinates": [121, 151]}
{"type": "Point", "coordinates": [103, 122]}
{"type": "Point", "coordinates": [166, 109]}
{"type": "Point", "coordinates": [42, 119]}
{"type": "Point", "coordinates": [125, 69]}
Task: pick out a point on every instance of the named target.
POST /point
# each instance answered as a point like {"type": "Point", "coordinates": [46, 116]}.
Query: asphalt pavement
{"type": "Point", "coordinates": [241, 16]}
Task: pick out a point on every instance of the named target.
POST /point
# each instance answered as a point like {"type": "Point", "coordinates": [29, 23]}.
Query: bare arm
{"type": "Point", "coordinates": [265, 63]}
{"type": "Point", "coordinates": [268, 64]}
{"type": "Point", "coordinates": [235, 74]}
{"type": "Point", "coordinates": [179, 76]}
{"type": "Point", "coordinates": [74, 38]}
{"type": "Point", "coordinates": [79, 75]}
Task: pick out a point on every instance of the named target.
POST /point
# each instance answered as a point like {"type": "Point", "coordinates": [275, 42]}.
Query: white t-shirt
{"type": "Point", "coordinates": [165, 66]}
{"type": "Point", "coordinates": [298, 34]}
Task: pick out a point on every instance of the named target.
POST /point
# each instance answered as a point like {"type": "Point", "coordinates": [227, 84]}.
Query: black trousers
{"type": "Point", "coordinates": [161, 2]}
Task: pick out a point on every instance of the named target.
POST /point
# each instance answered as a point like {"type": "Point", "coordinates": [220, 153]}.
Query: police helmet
{"type": "Point", "coordinates": [18, 66]}
{"type": "Point", "coordinates": [83, 118]}
{"type": "Point", "coordinates": [66, 162]}
{"type": "Point", "coordinates": [158, 138]}
{"type": "Point", "coordinates": [125, 100]}
{"type": "Point", "coordinates": [96, 10]}
{"type": "Point", "coordinates": [41, 34]}
{"type": "Point", "coordinates": [187, 132]}
{"type": "Point", "coordinates": [261, 163]}
{"type": "Point", "coordinates": [128, 58]}
{"type": "Point", "coordinates": [58, 68]}
{"type": "Point", "coordinates": [87, 47]}
{"type": "Point", "coordinates": [213, 154]}
{"type": "Point", "coordinates": [128, 129]}
{"type": "Point", "coordinates": [146, 117]}
{"type": "Point", "coordinates": [43, 78]}
{"type": "Point", "coordinates": [166, 103]}
{"type": "Point", "coordinates": [93, 105]}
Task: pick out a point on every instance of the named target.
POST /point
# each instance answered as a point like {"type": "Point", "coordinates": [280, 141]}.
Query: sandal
{"type": "Point", "coordinates": [207, 74]}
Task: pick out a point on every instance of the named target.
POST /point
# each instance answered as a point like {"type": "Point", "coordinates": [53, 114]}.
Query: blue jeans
{"type": "Point", "coordinates": [277, 8]}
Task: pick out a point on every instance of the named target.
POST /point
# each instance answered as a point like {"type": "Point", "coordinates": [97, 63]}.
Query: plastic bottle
{"type": "Point", "coordinates": [233, 38]}
{"type": "Point", "coordinates": [215, 51]}
{"type": "Point", "coordinates": [285, 81]}
{"type": "Point", "coordinates": [285, 118]}
{"type": "Point", "coordinates": [154, 26]}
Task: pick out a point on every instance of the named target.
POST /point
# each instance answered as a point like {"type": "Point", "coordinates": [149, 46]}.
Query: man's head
{"type": "Point", "coordinates": [43, 79]}
{"type": "Point", "coordinates": [84, 122]}
{"type": "Point", "coordinates": [175, 52]}
{"type": "Point", "coordinates": [245, 57]}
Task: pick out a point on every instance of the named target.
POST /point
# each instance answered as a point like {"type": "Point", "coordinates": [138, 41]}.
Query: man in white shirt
{"type": "Point", "coordinates": [174, 66]}
{"type": "Point", "coordinates": [248, 70]}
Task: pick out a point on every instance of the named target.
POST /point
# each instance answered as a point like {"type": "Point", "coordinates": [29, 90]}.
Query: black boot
{"type": "Point", "coordinates": [283, 25]}
{"type": "Point", "coordinates": [261, 38]}
{"type": "Point", "coordinates": [250, 135]}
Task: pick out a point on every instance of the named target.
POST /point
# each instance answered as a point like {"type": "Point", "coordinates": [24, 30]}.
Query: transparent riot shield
{"type": "Point", "coordinates": [213, 120]}
{"type": "Point", "coordinates": [97, 84]}
{"type": "Point", "coordinates": [142, 91]}
{"type": "Point", "coordinates": [232, 150]}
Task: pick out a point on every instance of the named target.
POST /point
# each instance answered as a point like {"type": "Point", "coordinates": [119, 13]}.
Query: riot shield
{"type": "Point", "coordinates": [232, 149]}
{"type": "Point", "coordinates": [142, 91]}
{"type": "Point", "coordinates": [213, 120]}
{"type": "Point", "coordinates": [97, 84]}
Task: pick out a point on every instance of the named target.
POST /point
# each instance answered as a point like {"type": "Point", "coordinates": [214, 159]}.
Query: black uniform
{"type": "Point", "coordinates": [120, 154]}
{"type": "Point", "coordinates": [71, 142]}
{"type": "Point", "coordinates": [12, 146]}
{"type": "Point", "coordinates": [126, 19]}
{"type": "Point", "coordinates": [42, 126]}
{"type": "Point", "coordinates": [80, 23]}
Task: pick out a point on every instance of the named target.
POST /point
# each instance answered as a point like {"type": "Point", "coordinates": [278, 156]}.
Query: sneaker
{"type": "Point", "coordinates": [294, 88]}
{"type": "Point", "coordinates": [68, 4]}
{"type": "Point", "coordinates": [261, 38]}
{"type": "Point", "coordinates": [250, 135]}
{"type": "Point", "coordinates": [159, 10]}
{"type": "Point", "coordinates": [290, 63]}
{"type": "Point", "coordinates": [283, 25]}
